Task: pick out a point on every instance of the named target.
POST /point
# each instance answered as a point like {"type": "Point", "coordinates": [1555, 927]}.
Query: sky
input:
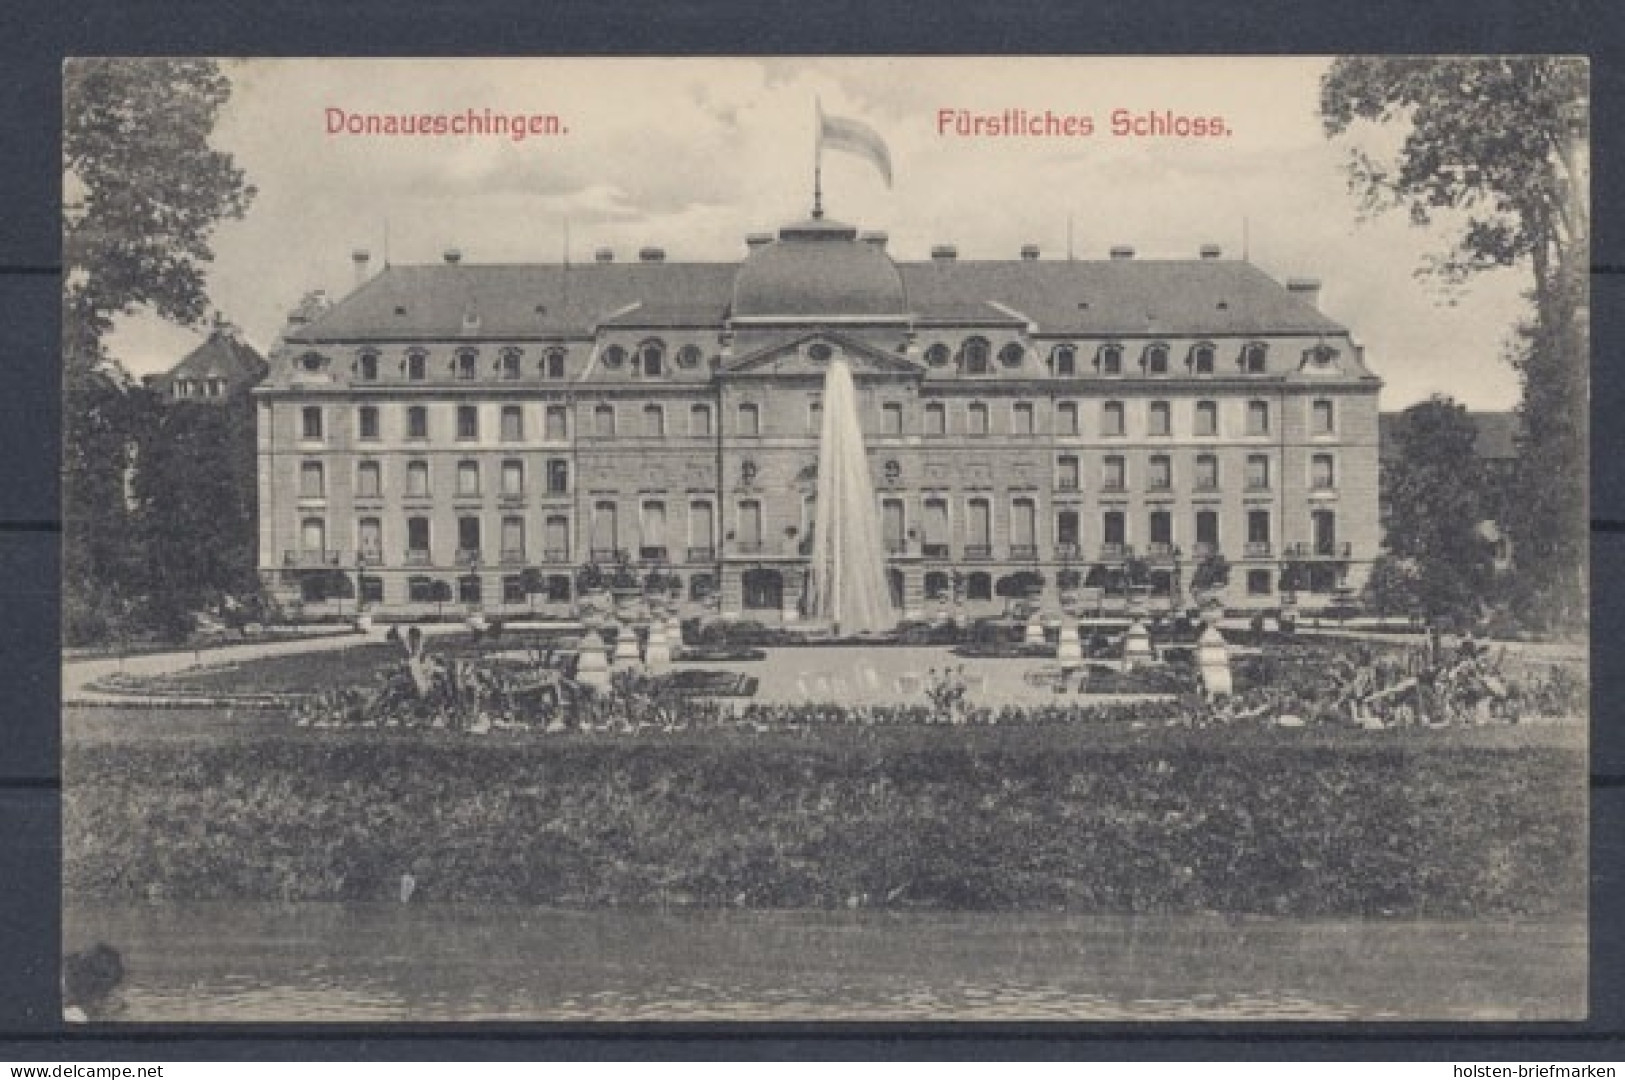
{"type": "Point", "coordinates": [693, 154]}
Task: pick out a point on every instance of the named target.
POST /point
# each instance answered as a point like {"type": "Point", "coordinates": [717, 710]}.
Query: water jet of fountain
{"type": "Point", "coordinates": [847, 581]}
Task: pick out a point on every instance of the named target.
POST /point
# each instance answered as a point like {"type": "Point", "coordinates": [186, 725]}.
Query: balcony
{"type": "Point", "coordinates": [978, 552]}
{"type": "Point", "coordinates": [606, 555]}
{"type": "Point", "coordinates": [417, 556]}
{"type": "Point", "coordinates": [1067, 483]}
{"type": "Point", "coordinates": [468, 556]}
{"type": "Point", "coordinates": [652, 553]}
{"type": "Point", "coordinates": [702, 554]}
{"type": "Point", "coordinates": [749, 547]}
{"type": "Point", "coordinates": [1024, 552]}
{"type": "Point", "coordinates": [556, 555]}
{"type": "Point", "coordinates": [1067, 549]}
{"type": "Point", "coordinates": [1202, 549]}
{"type": "Point", "coordinates": [1115, 552]}
{"type": "Point", "coordinates": [513, 558]}
{"type": "Point", "coordinates": [1257, 549]}
{"type": "Point", "coordinates": [310, 557]}
{"type": "Point", "coordinates": [1332, 550]}
{"type": "Point", "coordinates": [1161, 551]}
{"type": "Point", "coordinates": [369, 558]}
{"type": "Point", "coordinates": [934, 551]}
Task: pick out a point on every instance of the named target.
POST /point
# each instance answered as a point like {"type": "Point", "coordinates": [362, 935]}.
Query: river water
{"type": "Point", "coordinates": [372, 962]}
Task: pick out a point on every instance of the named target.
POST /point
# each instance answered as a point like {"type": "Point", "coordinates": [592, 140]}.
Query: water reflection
{"type": "Point", "coordinates": [367, 962]}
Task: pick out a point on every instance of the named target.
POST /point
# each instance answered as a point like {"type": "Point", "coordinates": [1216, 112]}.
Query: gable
{"type": "Point", "coordinates": [809, 356]}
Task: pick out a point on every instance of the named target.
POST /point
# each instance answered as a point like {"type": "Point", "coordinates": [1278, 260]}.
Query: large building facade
{"type": "Point", "coordinates": [1074, 430]}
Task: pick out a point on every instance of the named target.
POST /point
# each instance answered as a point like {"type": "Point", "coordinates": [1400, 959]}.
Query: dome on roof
{"type": "Point", "coordinates": [818, 268]}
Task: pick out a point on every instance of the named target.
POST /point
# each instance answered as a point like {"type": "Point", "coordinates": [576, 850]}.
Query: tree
{"type": "Point", "coordinates": [1499, 144]}
{"type": "Point", "coordinates": [1436, 499]}
{"type": "Point", "coordinates": [143, 192]}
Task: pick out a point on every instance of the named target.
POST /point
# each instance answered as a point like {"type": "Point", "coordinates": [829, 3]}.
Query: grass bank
{"type": "Point", "coordinates": [1120, 820]}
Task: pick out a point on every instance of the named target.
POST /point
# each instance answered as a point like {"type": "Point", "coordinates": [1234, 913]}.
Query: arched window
{"type": "Point", "coordinates": [603, 420]}
{"type": "Point", "coordinates": [651, 358]}
{"type": "Point", "coordinates": [1110, 359]}
{"type": "Point", "coordinates": [367, 366]}
{"type": "Point", "coordinates": [1064, 359]}
{"type": "Point", "coordinates": [1201, 358]}
{"type": "Point", "coordinates": [1156, 359]}
{"type": "Point", "coordinates": [467, 364]}
{"type": "Point", "coordinates": [1253, 357]}
{"type": "Point", "coordinates": [553, 364]}
{"type": "Point", "coordinates": [510, 362]}
{"type": "Point", "coordinates": [975, 357]}
{"type": "Point", "coordinates": [417, 365]}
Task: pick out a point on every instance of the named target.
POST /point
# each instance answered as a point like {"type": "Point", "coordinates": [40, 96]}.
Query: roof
{"type": "Point", "coordinates": [809, 275]}
{"type": "Point", "coordinates": [224, 356]}
{"type": "Point", "coordinates": [1496, 440]}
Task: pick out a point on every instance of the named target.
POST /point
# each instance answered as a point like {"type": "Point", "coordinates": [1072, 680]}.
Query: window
{"type": "Point", "coordinates": [513, 423]}
{"type": "Point", "coordinates": [1021, 418]}
{"type": "Point", "coordinates": [654, 421]}
{"type": "Point", "coordinates": [217, 386]}
{"type": "Point", "coordinates": [468, 422]}
{"type": "Point", "coordinates": [699, 420]}
{"type": "Point", "coordinates": [1253, 358]}
{"type": "Point", "coordinates": [651, 358]}
{"type": "Point", "coordinates": [1207, 529]}
{"type": "Point", "coordinates": [1258, 418]}
{"type": "Point", "coordinates": [1324, 526]}
{"type": "Point", "coordinates": [417, 366]}
{"type": "Point", "coordinates": [935, 538]}
{"type": "Point", "coordinates": [1162, 528]}
{"type": "Point", "coordinates": [1111, 418]}
{"type": "Point", "coordinates": [312, 482]}
{"type": "Point", "coordinates": [1207, 418]}
{"type": "Point", "coordinates": [603, 421]}
{"type": "Point", "coordinates": [467, 364]}
{"type": "Point", "coordinates": [417, 422]}
{"type": "Point", "coordinates": [938, 355]}
{"type": "Point", "coordinates": [1066, 418]}
{"type": "Point", "coordinates": [936, 418]}
{"type": "Point", "coordinates": [558, 476]}
{"type": "Point", "coordinates": [1321, 473]}
{"type": "Point", "coordinates": [1258, 472]}
{"type": "Point", "coordinates": [1160, 477]}
{"type": "Point", "coordinates": [891, 418]}
{"type": "Point", "coordinates": [1066, 473]}
{"type": "Point", "coordinates": [468, 589]}
{"type": "Point", "coordinates": [1324, 419]}
{"type": "Point", "coordinates": [368, 480]}
{"type": "Point", "coordinates": [815, 418]}
{"type": "Point", "coordinates": [313, 537]}
{"type": "Point", "coordinates": [614, 357]}
{"type": "Point", "coordinates": [749, 419]}
{"type": "Point", "coordinates": [556, 422]}
{"type": "Point", "coordinates": [513, 539]}
{"type": "Point", "coordinates": [367, 367]}
{"type": "Point", "coordinates": [370, 539]}
{"type": "Point", "coordinates": [1207, 472]}
{"type": "Point", "coordinates": [975, 357]}
{"type": "Point", "coordinates": [700, 525]}
{"type": "Point", "coordinates": [1114, 528]}
{"type": "Point", "coordinates": [1161, 419]}
{"type": "Point", "coordinates": [979, 585]}
{"type": "Point", "coordinates": [1011, 355]}
{"type": "Point", "coordinates": [181, 388]}
{"type": "Point", "coordinates": [979, 526]}
{"type": "Point", "coordinates": [556, 538]}
{"type": "Point", "coordinates": [750, 525]}
{"type": "Point", "coordinates": [311, 422]}
{"type": "Point", "coordinates": [688, 356]}
{"type": "Point", "coordinates": [513, 478]}
{"type": "Point", "coordinates": [654, 532]}
{"type": "Point", "coordinates": [1156, 359]}
{"type": "Point", "coordinates": [468, 538]}
{"type": "Point", "coordinates": [976, 419]}
{"type": "Point", "coordinates": [1110, 359]}
{"type": "Point", "coordinates": [417, 536]}
{"type": "Point", "coordinates": [1258, 529]}
{"type": "Point", "coordinates": [1258, 583]}
{"type": "Point", "coordinates": [553, 364]}
{"type": "Point", "coordinates": [367, 421]}
{"type": "Point", "coordinates": [421, 590]}
{"type": "Point", "coordinates": [509, 363]}
{"type": "Point", "coordinates": [1115, 477]}
{"type": "Point", "coordinates": [513, 589]}
{"type": "Point", "coordinates": [1202, 359]}
{"type": "Point", "coordinates": [417, 479]}
{"type": "Point", "coordinates": [1023, 528]}
{"type": "Point", "coordinates": [468, 478]}
{"type": "Point", "coordinates": [1064, 358]}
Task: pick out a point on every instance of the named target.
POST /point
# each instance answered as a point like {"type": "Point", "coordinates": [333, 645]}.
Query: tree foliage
{"type": "Point", "coordinates": [1498, 144]}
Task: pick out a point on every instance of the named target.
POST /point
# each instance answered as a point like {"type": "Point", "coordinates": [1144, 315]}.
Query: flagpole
{"type": "Point", "coordinates": [818, 159]}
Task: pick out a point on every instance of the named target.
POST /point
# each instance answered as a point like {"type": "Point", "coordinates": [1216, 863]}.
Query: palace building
{"type": "Point", "coordinates": [476, 434]}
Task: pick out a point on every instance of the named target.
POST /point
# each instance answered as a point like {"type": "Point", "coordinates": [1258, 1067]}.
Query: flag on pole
{"type": "Point", "coordinates": [854, 137]}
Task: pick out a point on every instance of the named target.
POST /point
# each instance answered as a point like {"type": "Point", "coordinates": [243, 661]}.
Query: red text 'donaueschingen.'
{"type": "Point", "coordinates": [466, 123]}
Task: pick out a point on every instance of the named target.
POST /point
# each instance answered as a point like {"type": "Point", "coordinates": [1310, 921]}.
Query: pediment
{"type": "Point", "coordinates": [810, 355]}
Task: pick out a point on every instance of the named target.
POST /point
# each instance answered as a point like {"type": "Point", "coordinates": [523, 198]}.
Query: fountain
{"type": "Point", "coordinates": [847, 586]}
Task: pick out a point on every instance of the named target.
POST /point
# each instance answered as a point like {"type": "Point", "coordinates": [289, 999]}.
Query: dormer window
{"type": "Point", "coordinates": [1064, 359]}
{"type": "Point", "coordinates": [1156, 359]}
{"type": "Point", "coordinates": [312, 362]}
{"type": "Point", "coordinates": [509, 363]}
{"type": "Point", "coordinates": [1320, 357]}
{"type": "Point", "coordinates": [367, 367]}
{"type": "Point", "coordinates": [466, 365]}
{"type": "Point", "coordinates": [938, 355]}
{"type": "Point", "coordinates": [1253, 357]}
{"type": "Point", "coordinates": [417, 366]}
{"type": "Point", "coordinates": [1011, 355]}
{"type": "Point", "coordinates": [688, 357]}
{"type": "Point", "coordinates": [651, 359]}
{"type": "Point", "coordinates": [614, 357]}
{"type": "Point", "coordinates": [819, 353]}
{"type": "Point", "coordinates": [1110, 360]}
{"type": "Point", "coordinates": [976, 357]}
{"type": "Point", "coordinates": [1202, 357]}
{"type": "Point", "coordinates": [553, 364]}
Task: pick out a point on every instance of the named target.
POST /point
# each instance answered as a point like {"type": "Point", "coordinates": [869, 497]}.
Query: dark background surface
{"type": "Point", "coordinates": [32, 45]}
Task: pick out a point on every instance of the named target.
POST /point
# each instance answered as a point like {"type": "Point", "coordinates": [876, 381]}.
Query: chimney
{"type": "Point", "coordinates": [452, 256]}
{"type": "Point", "coordinates": [604, 255]}
{"type": "Point", "coordinates": [1210, 251]}
{"type": "Point", "coordinates": [944, 253]}
{"type": "Point", "coordinates": [758, 239]}
{"type": "Point", "coordinates": [1306, 289]}
{"type": "Point", "coordinates": [1029, 252]}
{"type": "Point", "coordinates": [652, 254]}
{"type": "Point", "coordinates": [1122, 251]}
{"type": "Point", "coordinates": [875, 239]}
{"type": "Point", "coordinates": [360, 256]}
